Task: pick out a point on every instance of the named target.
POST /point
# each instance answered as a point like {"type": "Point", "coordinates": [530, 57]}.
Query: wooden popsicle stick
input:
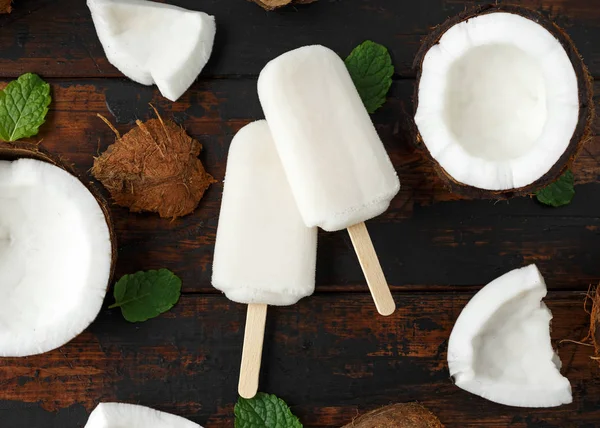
{"type": "Point", "coordinates": [252, 350]}
{"type": "Point", "coordinates": [363, 246]}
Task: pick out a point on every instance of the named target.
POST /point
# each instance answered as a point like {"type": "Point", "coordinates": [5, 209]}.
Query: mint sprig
{"type": "Point", "coordinates": [23, 107]}
{"type": "Point", "coordinates": [370, 66]}
{"type": "Point", "coordinates": [264, 411]}
{"type": "Point", "coordinates": [559, 193]}
{"type": "Point", "coordinates": [145, 295]}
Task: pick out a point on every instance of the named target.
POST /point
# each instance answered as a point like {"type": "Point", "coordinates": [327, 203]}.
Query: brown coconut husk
{"type": "Point", "coordinates": [593, 336]}
{"type": "Point", "coordinates": [5, 6]}
{"type": "Point", "coordinates": [582, 133]}
{"type": "Point", "coordinates": [14, 151]}
{"type": "Point", "coordinates": [275, 4]}
{"type": "Point", "coordinates": [404, 415]}
{"type": "Point", "coordinates": [155, 168]}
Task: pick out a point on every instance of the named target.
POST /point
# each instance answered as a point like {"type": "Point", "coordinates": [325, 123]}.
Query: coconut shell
{"type": "Point", "coordinates": [5, 6]}
{"type": "Point", "coordinates": [405, 415]}
{"type": "Point", "coordinates": [275, 4]}
{"type": "Point", "coordinates": [14, 151]}
{"type": "Point", "coordinates": [155, 168]}
{"type": "Point", "coordinates": [582, 132]}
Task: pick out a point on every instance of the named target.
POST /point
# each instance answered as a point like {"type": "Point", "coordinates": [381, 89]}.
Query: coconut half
{"type": "Point", "coordinates": [119, 415]}
{"type": "Point", "coordinates": [503, 101]}
{"type": "Point", "coordinates": [56, 253]}
{"type": "Point", "coordinates": [500, 345]}
{"type": "Point", "coordinates": [154, 43]}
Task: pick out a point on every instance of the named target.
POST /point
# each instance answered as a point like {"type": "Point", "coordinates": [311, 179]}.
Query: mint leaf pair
{"type": "Point", "coordinates": [370, 66]}
{"type": "Point", "coordinates": [145, 295]}
{"type": "Point", "coordinates": [264, 411]}
{"type": "Point", "coordinates": [23, 107]}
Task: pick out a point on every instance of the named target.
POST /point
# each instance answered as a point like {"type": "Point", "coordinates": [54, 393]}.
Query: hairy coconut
{"type": "Point", "coordinates": [275, 4]}
{"type": "Point", "coordinates": [594, 332]}
{"type": "Point", "coordinates": [5, 6]}
{"type": "Point", "coordinates": [72, 274]}
{"type": "Point", "coordinates": [403, 415]}
{"type": "Point", "coordinates": [154, 167]}
{"type": "Point", "coordinates": [528, 176]}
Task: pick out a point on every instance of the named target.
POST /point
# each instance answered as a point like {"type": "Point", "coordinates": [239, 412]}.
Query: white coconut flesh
{"type": "Point", "coordinates": [55, 257]}
{"type": "Point", "coordinates": [154, 43]}
{"type": "Point", "coordinates": [120, 415]}
{"type": "Point", "coordinates": [500, 346]}
{"type": "Point", "coordinates": [498, 101]}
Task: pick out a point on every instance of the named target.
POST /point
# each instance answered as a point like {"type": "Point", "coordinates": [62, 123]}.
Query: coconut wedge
{"type": "Point", "coordinates": [119, 415]}
{"type": "Point", "coordinates": [500, 346]}
{"type": "Point", "coordinates": [56, 252]}
{"type": "Point", "coordinates": [503, 101]}
{"type": "Point", "coordinates": [154, 43]}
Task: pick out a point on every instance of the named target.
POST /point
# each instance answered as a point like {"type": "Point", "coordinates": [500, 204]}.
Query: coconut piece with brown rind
{"type": "Point", "coordinates": [75, 323]}
{"type": "Point", "coordinates": [275, 4]}
{"type": "Point", "coordinates": [155, 168]}
{"type": "Point", "coordinates": [582, 131]}
{"type": "Point", "coordinates": [403, 415]}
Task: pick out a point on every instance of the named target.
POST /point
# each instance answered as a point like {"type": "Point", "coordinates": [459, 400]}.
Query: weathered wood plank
{"type": "Point", "coordinates": [187, 362]}
{"type": "Point", "coordinates": [468, 242]}
{"type": "Point", "coordinates": [38, 36]}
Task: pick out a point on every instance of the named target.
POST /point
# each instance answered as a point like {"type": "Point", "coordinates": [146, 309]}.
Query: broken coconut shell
{"type": "Point", "coordinates": [5, 6]}
{"type": "Point", "coordinates": [275, 4]}
{"type": "Point", "coordinates": [14, 151]}
{"type": "Point", "coordinates": [582, 131]}
{"type": "Point", "coordinates": [154, 167]}
{"type": "Point", "coordinates": [404, 415]}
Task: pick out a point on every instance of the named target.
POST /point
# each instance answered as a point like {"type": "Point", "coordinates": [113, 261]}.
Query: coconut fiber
{"type": "Point", "coordinates": [154, 167]}
{"type": "Point", "coordinates": [405, 415]}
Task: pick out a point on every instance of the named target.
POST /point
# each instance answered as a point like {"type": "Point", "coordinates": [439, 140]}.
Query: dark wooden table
{"type": "Point", "coordinates": [330, 356]}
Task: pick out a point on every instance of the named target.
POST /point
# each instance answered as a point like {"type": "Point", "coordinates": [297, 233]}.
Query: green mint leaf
{"type": "Point", "coordinates": [559, 193]}
{"type": "Point", "coordinates": [145, 295]}
{"type": "Point", "coordinates": [264, 411]}
{"type": "Point", "coordinates": [23, 107]}
{"type": "Point", "coordinates": [370, 66]}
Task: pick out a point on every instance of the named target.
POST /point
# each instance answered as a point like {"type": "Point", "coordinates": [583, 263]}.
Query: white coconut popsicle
{"type": "Point", "coordinates": [264, 254]}
{"type": "Point", "coordinates": [334, 160]}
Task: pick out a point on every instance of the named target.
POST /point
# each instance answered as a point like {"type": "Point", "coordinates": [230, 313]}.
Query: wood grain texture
{"type": "Point", "coordinates": [330, 357]}
{"type": "Point", "coordinates": [41, 36]}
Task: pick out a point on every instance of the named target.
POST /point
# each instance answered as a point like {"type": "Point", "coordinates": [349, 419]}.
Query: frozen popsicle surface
{"type": "Point", "coordinates": [264, 253]}
{"type": "Point", "coordinates": [335, 162]}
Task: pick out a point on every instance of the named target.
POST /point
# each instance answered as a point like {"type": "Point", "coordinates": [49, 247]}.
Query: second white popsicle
{"type": "Point", "coordinates": [335, 162]}
{"type": "Point", "coordinates": [264, 254]}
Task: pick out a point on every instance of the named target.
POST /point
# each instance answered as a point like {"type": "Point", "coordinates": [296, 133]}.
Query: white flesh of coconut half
{"type": "Point", "coordinates": [55, 257]}
{"type": "Point", "coordinates": [154, 43]}
{"type": "Point", "coordinates": [119, 415]}
{"type": "Point", "coordinates": [500, 346]}
{"type": "Point", "coordinates": [498, 101]}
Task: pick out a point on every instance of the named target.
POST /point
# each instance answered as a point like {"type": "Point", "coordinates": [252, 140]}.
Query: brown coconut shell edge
{"type": "Point", "coordinates": [271, 5]}
{"type": "Point", "coordinates": [582, 131]}
{"type": "Point", "coordinates": [403, 415]}
{"type": "Point", "coordinates": [14, 151]}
